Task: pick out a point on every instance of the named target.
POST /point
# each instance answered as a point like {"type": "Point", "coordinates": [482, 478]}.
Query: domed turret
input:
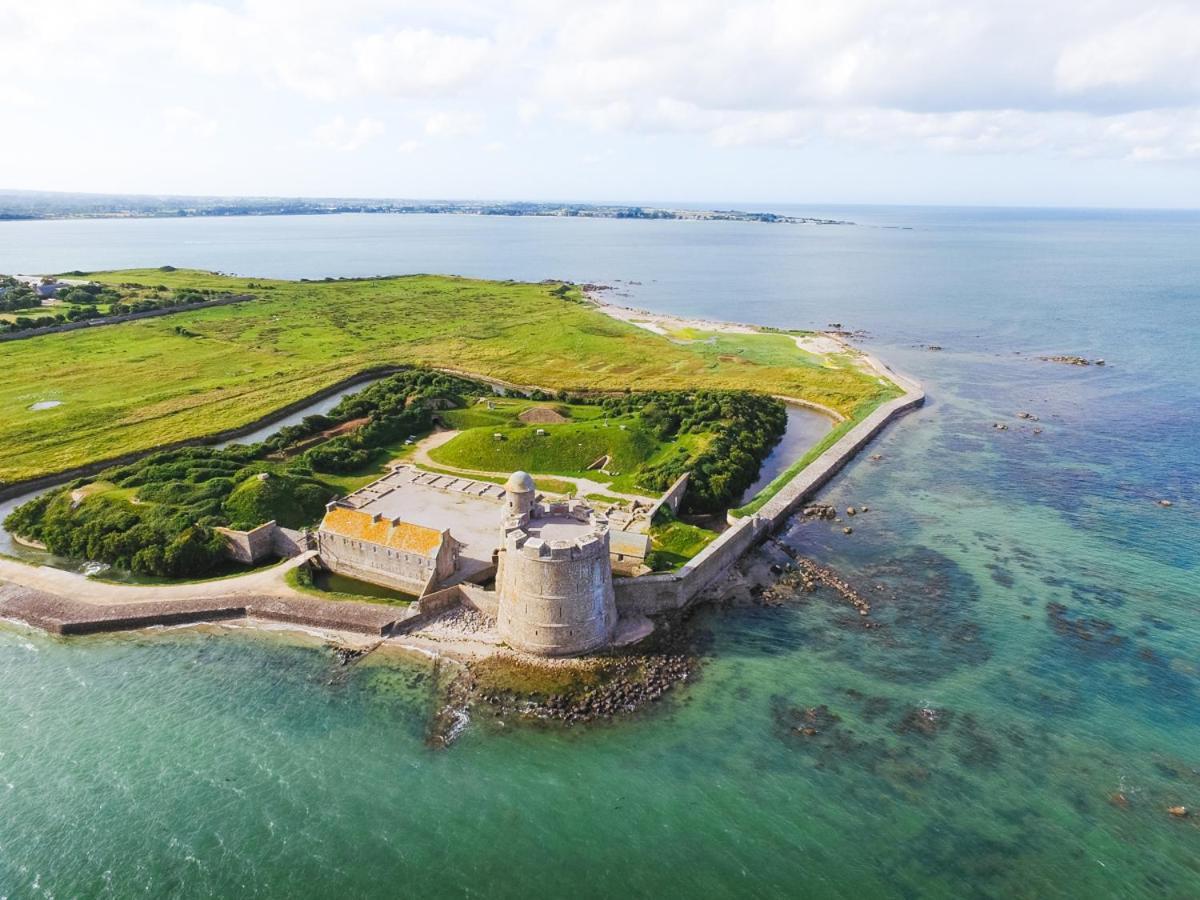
{"type": "Point", "coordinates": [519, 493]}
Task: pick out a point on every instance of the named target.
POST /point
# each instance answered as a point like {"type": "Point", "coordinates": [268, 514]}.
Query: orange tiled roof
{"type": "Point", "coordinates": [396, 535]}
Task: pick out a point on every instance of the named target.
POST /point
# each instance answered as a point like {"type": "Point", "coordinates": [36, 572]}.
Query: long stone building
{"type": "Point", "coordinates": [388, 551]}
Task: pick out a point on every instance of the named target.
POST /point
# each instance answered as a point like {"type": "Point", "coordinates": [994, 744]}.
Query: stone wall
{"type": "Point", "coordinates": [652, 594]}
{"type": "Point", "coordinates": [672, 498]}
{"type": "Point", "coordinates": [250, 546]}
{"type": "Point", "coordinates": [267, 540]}
{"type": "Point", "coordinates": [818, 473]}
{"type": "Point", "coordinates": [287, 542]}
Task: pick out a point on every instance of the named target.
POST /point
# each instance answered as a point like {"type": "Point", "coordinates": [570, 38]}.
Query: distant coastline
{"type": "Point", "coordinates": [35, 205]}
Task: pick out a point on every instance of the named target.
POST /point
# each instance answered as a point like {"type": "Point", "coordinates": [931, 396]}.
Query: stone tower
{"type": "Point", "coordinates": [519, 493]}
{"type": "Point", "coordinates": [554, 579]}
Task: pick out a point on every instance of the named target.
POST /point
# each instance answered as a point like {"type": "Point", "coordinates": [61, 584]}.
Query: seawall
{"type": "Point", "coordinates": [68, 616]}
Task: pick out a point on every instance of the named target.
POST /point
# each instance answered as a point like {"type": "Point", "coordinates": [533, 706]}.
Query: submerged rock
{"type": "Point", "coordinates": [922, 720]}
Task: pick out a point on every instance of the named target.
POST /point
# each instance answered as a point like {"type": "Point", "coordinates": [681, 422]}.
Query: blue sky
{"type": "Point", "coordinates": [1058, 102]}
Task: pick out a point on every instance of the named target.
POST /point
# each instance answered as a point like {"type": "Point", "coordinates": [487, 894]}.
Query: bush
{"type": "Point", "coordinates": [185, 494]}
{"type": "Point", "coordinates": [745, 426]}
{"type": "Point", "coordinates": [292, 502]}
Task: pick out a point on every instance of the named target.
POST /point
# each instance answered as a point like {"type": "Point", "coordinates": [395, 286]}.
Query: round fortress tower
{"type": "Point", "coordinates": [554, 579]}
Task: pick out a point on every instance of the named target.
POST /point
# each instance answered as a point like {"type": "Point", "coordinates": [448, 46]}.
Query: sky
{"type": "Point", "coordinates": [987, 102]}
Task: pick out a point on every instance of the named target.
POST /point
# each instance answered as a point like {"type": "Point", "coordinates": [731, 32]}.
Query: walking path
{"type": "Point", "coordinates": [262, 582]}
{"type": "Point", "coordinates": [68, 603]}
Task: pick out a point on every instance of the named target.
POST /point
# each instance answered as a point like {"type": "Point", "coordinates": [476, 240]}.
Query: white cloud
{"type": "Point", "coordinates": [1153, 56]}
{"type": "Point", "coordinates": [338, 134]}
{"type": "Point", "coordinates": [454, 124]}
{"type": "Point", "coordinates": [418, 62]}
{"type": "Point", "coordinates": [182, 121]}
{"type": "Point", "coordinates": [1055, 79]}
{"type": "Point", "coordinates": [528, 111]}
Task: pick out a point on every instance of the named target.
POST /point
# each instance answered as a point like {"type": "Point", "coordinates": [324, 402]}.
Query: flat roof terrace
{"type": "Point", "coordinates": [472, 510]}
{"type": "Point", "coordinates": [558, 528]}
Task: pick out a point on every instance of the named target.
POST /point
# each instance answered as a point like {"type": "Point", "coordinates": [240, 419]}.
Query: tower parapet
{"type": "Point", "coordinates": [555, 580]}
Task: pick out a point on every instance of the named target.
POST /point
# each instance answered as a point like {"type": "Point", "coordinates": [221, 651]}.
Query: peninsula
{"type": "Point", "coordinates": [528, 471]}
{"type": "Point", "coordinates": [49, 205]}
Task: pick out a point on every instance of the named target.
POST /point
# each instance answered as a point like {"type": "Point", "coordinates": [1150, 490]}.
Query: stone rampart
{"type": "Point", "coordinates": [250, 546]}
{"type": "Point", "coordinates": [70, 616]}
{"type": "Point", "coordinates": [672, 499]}
{"type": "Point", "coordinates": [652, 594]}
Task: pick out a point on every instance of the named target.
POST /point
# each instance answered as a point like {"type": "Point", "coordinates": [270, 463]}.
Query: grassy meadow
{"type": "Point", "coordinates": [140, 385]}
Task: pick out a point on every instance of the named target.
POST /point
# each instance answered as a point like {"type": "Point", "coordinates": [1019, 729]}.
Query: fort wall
{"type": "Point", "coordinates": [673, 498]}
{"type": "Point", "coordinates": [653, 594]}
{"type": "Point", "coordinates": [249, 546]}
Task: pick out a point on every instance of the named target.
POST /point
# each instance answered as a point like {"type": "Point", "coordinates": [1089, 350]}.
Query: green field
{"type": "Point", "coordinates": [562, 450]}
{"type": "Point", "coordinates": [140, 385]}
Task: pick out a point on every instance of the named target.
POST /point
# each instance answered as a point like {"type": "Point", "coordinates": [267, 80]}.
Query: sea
{"type": "Point", "coordinates": [1019, 724]}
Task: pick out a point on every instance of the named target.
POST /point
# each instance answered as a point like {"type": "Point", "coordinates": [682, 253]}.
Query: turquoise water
{"type": "Point", "coordinates": [1035, 600]}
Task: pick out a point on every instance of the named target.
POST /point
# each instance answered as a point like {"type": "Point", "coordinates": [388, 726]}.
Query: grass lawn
{"type": "Point", "coordinates": [674, 543]}
{"type": "Point", "coordinates": [507, 410]}
{"type": "Point", "coordinates": [139, 385]}
{"type": "Point", "coordinates": [341, 588]}
{"type": "Point", "coordinates": [562, 450]}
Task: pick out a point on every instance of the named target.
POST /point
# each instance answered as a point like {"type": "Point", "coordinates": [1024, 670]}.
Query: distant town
{"type": "Point", "coordinates": [16, 205]}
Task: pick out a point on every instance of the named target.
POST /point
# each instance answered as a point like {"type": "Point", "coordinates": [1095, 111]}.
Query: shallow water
{"type": "Point", "coordinates": [1037, 652]}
